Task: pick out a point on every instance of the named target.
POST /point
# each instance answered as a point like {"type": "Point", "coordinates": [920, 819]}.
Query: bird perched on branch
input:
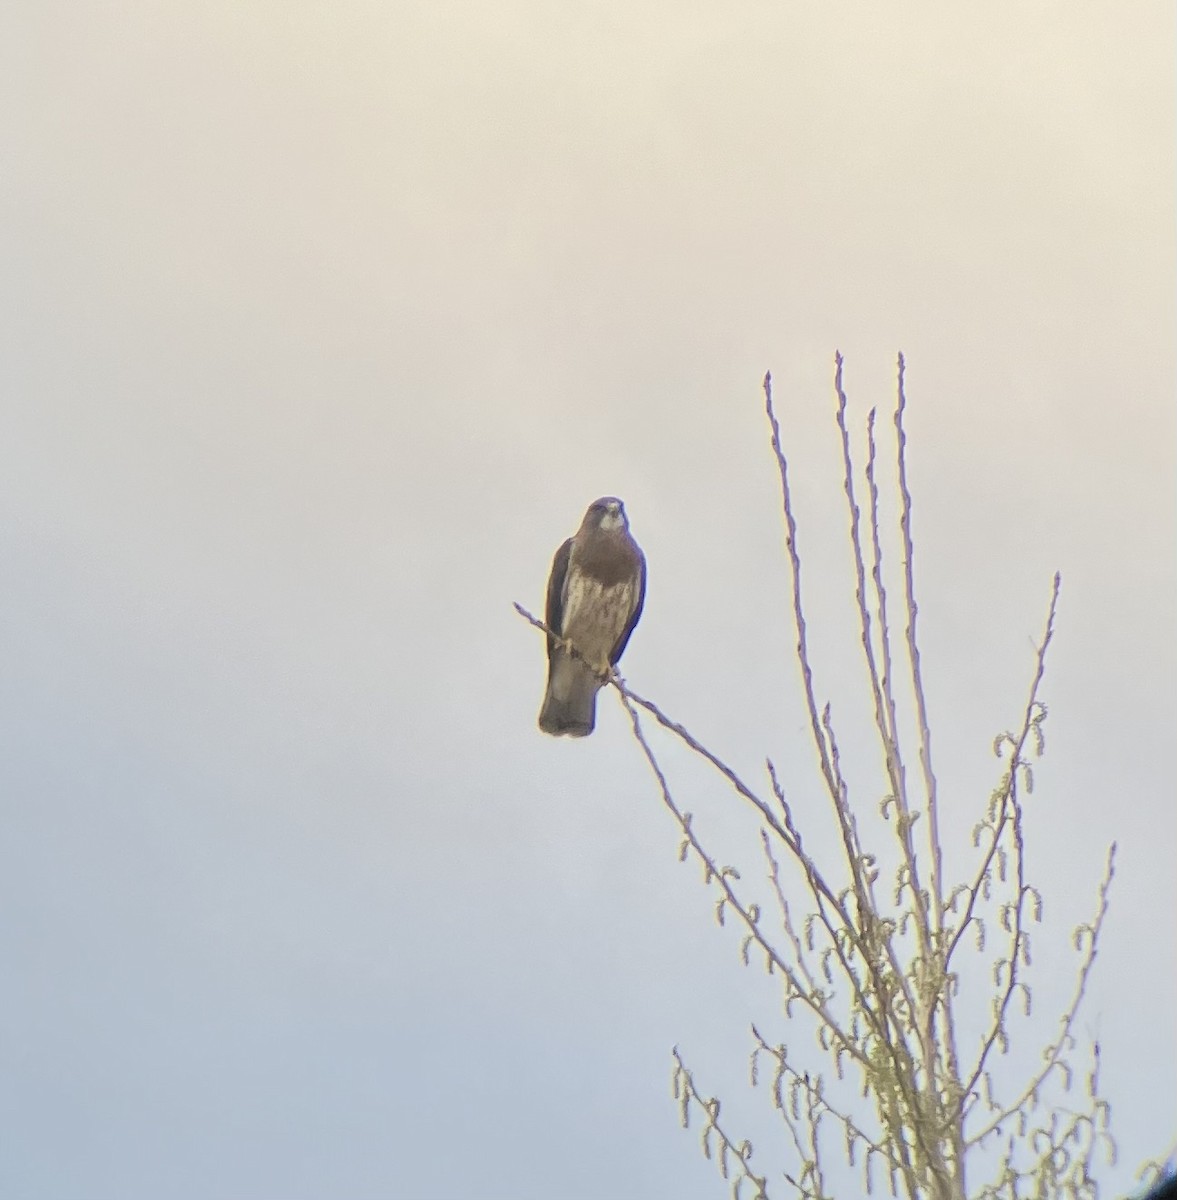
{"type": "Point", "coordinates": [595, 595]}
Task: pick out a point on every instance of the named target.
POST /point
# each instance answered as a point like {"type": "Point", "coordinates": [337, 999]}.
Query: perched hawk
{"type": "Point", "coordinates": [595, 595]}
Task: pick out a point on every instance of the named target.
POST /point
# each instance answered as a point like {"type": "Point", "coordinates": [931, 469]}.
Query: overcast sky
{"type": "Point", "coordinates": [321, 326]}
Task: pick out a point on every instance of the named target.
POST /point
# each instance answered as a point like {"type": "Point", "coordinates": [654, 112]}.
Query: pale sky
{"type": "Point", "coordinates": [322, 325]}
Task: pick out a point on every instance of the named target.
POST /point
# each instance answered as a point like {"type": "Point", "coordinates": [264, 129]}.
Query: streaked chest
{"type": "Point", "coordinates": [595, 613]}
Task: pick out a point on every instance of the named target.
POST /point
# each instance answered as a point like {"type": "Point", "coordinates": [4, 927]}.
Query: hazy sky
{"type": "Point", "coordinates": [321, 326]}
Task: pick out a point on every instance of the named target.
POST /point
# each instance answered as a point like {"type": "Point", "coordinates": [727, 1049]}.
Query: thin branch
{"type": "Point", "coordinates": [914, 653]}
{"type": "Point", "coordinates": [795, 565]}
{"type": "Point", "coordinates": [741, 1152]}
{"type": "Point", "coordinates": [1018, 935]}
{"type": "Point", "coordinates": [812, 999]}
{"type": "Point", "coordinates": [1032, 706]}
{"type": "Point", "coordinates": [1054, 1052]}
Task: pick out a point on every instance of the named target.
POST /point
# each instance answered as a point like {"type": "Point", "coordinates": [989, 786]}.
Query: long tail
{"type": "Point", "coordinates": [570, 703]}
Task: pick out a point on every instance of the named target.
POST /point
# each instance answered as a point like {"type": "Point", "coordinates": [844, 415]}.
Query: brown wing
{"type": "Point", "coordinates": [554, 613]}
{"type": "Point", "coordinates": [640, 588]}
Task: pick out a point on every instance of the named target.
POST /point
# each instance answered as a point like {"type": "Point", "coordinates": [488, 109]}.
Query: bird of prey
{"type": "Point", "coordinates": [595, 595]}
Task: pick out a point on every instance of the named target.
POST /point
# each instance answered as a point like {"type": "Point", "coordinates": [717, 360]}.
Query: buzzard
{"type": "Point", "coordinates": [595, 595]}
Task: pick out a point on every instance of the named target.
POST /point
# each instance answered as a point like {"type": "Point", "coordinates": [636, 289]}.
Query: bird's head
{"type": "Point", "coordinates": [607, 514]}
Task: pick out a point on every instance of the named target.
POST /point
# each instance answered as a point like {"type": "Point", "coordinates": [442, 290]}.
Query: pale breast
{"type": "Point", "coordinates": [595, 614]}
